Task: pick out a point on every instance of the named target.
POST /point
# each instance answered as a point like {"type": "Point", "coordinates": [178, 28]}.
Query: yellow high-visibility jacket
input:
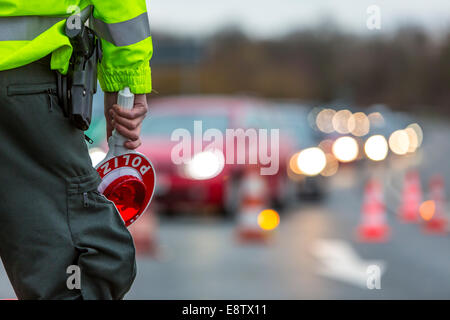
{"type": "Point", "coordinates": [32, 29]}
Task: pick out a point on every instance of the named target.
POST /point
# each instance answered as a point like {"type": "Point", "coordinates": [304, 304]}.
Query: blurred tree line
{"type": "Point", "coordinates": [408, 69]}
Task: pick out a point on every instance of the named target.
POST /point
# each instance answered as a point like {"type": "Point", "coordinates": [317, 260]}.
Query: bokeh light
{"type": "Point", "coordinates": [332, 166]}
{"type": "Point", "coordinates": [359, 124]}
{"type": "Point", "coordinates": [341, 120]}
{"type": "Point", "coordinates": [205, 165]}
{"type": "Point", "coordinates": [376, 148]}
{"type": "Point", "coordinates": [413, 140]}
{"type": "Point", "coordinates": [427, 209]}
{"type": "Point", "coordinates": [399, 142]}
{"type": "Point", "coordinates": [268, 219]}
{"type": "Point", "coordinates": [324, 120]}
{"type": "Point", "coordinates": [326, 145]}
{"type": "Point", "coordinates": [312, 116]}
{"type": "Point", "coordinates": [345, 149]}
{"type": "Point", "coordinates": [376, 119]}
{"type": "Point", "coordinates": [419, 133]}
{"type": "Point", "coordinates": [311, 161]}
{"type": "Point", "coordinates": [293, 164]}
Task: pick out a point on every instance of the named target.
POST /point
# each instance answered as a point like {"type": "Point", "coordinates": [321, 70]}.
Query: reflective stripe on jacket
{"type": "Point", "coordinates": [32, 29]}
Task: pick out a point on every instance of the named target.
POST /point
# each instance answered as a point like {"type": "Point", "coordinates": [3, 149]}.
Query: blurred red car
{"type": "Point", "coordinates": [207, 181]}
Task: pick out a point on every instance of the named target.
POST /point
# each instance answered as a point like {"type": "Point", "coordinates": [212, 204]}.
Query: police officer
{"type": "Point", "coordinates": [52, 219]}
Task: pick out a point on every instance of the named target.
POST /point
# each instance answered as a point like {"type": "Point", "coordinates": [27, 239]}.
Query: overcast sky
{"type": "Point", "coordinates": [267, 18]}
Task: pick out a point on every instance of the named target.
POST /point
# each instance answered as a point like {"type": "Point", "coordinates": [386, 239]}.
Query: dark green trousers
{"type": "Point", "coordinates": [51, 216]}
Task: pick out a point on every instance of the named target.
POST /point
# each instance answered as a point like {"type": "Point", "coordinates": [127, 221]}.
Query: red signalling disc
{"type": "Point", "coordinates": [128, 181]}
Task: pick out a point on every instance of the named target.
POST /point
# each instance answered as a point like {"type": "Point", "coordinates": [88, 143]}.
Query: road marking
{"type": "Point", "coordinates": [340, 261]}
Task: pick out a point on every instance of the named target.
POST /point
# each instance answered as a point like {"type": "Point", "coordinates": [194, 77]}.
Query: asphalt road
{"type": "Point", "coordinates": [313, 254]}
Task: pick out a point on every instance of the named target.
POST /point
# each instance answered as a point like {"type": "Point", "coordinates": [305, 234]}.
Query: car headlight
{"type": "Point", "coordinates": [399, 142]}
{"type": "Point", "coordinates": [376, 148]}
{"type": "Point", "coordinates": [345, 149]}
{"type": "Point", "coordinates": [205, 165]}
{"type": "Point", "coordinates": [311, 161]}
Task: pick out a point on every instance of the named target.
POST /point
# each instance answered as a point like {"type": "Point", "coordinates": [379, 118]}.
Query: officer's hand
{"type": "Point", "coordinates": [127, 122]}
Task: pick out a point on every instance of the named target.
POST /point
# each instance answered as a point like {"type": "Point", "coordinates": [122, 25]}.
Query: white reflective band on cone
{"type": "Point", "coordinates": [123, 33]}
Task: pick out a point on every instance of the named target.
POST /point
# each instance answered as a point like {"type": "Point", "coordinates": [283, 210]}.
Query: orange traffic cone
{"type": "Point", "coordinates": [411, 198]}
{"type": "Point", "coordinates": [437, 221]}
{"type": "Point", "coordinates": [254, 193]}
{"type": "Point", "coordinates": [144, 235]}
{"type": "Point", "coordinates": [373, 227]}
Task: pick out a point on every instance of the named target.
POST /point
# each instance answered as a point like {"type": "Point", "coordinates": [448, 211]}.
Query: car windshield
{"type": "Point", "coordinates": [165, 124]}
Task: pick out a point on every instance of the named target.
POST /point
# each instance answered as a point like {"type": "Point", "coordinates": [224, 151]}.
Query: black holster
{"type": "Point", "coordinates": [77, 88]}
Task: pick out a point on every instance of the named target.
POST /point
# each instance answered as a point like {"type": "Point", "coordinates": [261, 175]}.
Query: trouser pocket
{"type": "Point", "coordinates": [35, 125]}
{"type": "Point", "coordinates": [107, 253]}
{"type": "Point", "coordinates": [48, 89]}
